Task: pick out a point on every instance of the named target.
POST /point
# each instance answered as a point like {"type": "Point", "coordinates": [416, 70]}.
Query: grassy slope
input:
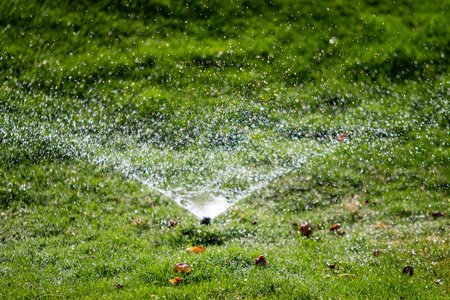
{"type": "Point", "coordinates": [74, 229]}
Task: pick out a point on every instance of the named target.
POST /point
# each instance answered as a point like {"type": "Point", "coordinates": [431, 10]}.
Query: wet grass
{"type": "Point", "coordinates": [89, 229]}
{"type": "Point", "coordinates": [82, 85]}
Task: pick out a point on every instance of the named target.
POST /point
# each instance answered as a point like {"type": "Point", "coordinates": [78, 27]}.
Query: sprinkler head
{"type": "Point", "coordinates": [206, 221]}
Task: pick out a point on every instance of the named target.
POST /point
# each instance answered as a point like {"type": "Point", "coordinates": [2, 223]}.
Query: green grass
{"type": "Point", "coordinates": [92, 95]}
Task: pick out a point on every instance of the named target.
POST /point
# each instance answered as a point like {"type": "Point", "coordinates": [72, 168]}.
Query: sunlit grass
{"type": "Point", "coordinates": [102, 105]}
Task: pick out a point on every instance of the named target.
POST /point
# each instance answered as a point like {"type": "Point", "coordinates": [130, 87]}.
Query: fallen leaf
{"type": "Point", "coordinates": [172, 223]}
{"type": "Point", "coordinates": [181, 267]}
{"type": "Point", "coordinates": [380, 225]}
{"type": "Point", "coordinates": [118, 286]}
{"type": "Point", "coordinates": [261, 261]}
{"type": "Point", "coordinates": [176, 280]}
{"type": "Point", "coordinates": [305, 229]}
{"type": "Point", "coordinates": [352, 204]}
{"type": "Point", "coordinates": [408, 269]}
{"type": "Point", "coordinates": [437, 214]}
{"type": "Point", "coordinates": [346, 275]}
{"type": "Point", "coordinates": [335, 227]}
{"type": "Point", "coordinates": [199, 249]}
{"type": "Point", "coordinates": [342, 137]}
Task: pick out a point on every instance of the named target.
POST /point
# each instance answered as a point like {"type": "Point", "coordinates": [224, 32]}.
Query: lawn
{"type": "Point", "coordinates": [115, 115]}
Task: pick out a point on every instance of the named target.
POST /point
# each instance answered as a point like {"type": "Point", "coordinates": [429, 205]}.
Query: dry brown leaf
{"type": "Point", "coordinates": [176, 280]}
{"type": "Point", "coordinates": [437, 214]}
{"type": "Point", "coordinates": [182, 267]}
{"type": "Point", "coordinates": [335, 227]}
{"type": "Point", "coordinates": [342, 137]}
{"type": "Point", "coordinates": [352, 205]}
{"type": "Point", "coordinates": [408, 269]}
{"type": "Point", "coordinates": [172, 223]}
{"type": "Point", "coordinates": [261, 261]}
{"type": "Point", "coordinates": [380, 225]}
{"type": "Point", "coordinates": [199, 249]}
{"type": "Point", "coordinates": [305, 229]}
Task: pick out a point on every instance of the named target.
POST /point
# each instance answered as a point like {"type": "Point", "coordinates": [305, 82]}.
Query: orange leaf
{"type": "Point", "coordinates": [182, 267]}
{"type": "Point", "coordinates": [199, 249]}
{"type": "Point", "coordinates": [176, 280]}
{"type": "Point", "coordinates": [380, 225]}
{"type": "Point", "coordinates": [335, 227]}
{"type": "Point", "coordinates": [341, 138]}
